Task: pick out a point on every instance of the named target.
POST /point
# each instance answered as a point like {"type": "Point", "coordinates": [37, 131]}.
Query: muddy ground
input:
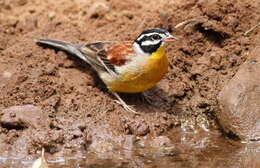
{"type": "Point", "coordinates": [72, 108]}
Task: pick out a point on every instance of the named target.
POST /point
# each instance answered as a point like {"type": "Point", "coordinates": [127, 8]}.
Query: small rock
{"type": "Point", "coordinates": [76, 133]}
{"type": "Point", "coordinates": [51, 15]}
{"type": "Point", "coordinates": [97, 10]}
{"type": "Point", "coordinates": [7, 74]}
{"type": "Point", "coordinates": [102, 140]}
{"type": "Point", "coordinates": [50, 69]}
{"type": "Point", "coordinates": [21, 117]}
{"type": "Point", "coordinates": [239, 100]}
{"type": "Point", "coordinates": [81, 125]}
{"type": "Point", "coordinates": [139, 128]}
{"type": "Point", "coordinates": [161, 141]}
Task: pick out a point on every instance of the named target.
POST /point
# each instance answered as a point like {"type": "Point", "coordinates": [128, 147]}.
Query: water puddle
{"type": "Point", "coordinates": [178, 150]}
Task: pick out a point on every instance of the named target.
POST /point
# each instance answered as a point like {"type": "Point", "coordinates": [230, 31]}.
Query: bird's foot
{"type": "Point", "coordinates": [126, 107]}
{"type": "Point", "coordinates": [123, 103]}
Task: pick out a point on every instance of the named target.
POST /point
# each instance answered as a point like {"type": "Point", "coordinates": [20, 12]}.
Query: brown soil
{"type": "Point", "coordinates": [76, 104]}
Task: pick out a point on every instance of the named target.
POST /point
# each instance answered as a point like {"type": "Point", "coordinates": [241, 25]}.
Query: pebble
{"type": "Point", "coordinates": [7, 74]}
{"type": "Point", "coordinates": [139, 128]}
{"type": "Point", "coordinates": [21, 117]}
{"type": "Point", "coordinates": [98, 9]}
{"type": "Point", "coordinates": [51, 15]}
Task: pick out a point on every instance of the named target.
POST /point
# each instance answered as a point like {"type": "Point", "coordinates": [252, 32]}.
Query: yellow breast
{"type": "Point", "coordinates": [147, 76]}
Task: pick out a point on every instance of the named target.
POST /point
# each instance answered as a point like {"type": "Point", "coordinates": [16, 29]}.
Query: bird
{"type": "Point", "coordinates": [124, 66]}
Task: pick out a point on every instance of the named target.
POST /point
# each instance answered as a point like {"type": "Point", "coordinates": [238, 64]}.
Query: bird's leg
{"type": "Point", "coordinates": [123, 103]}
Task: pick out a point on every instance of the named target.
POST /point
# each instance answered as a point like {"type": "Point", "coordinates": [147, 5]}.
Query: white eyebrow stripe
{"type": "Point", "coordinates": [147, 43]}
{"type": "Point", "coordinates": [148, 34]}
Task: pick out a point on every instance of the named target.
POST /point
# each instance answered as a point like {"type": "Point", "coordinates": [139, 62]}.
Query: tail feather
{"type": "Point", "coordinates": [63, 45]}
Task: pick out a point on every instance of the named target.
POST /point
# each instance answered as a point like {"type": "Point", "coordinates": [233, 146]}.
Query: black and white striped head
{"type": "Point", "coordinates": [150, 40]}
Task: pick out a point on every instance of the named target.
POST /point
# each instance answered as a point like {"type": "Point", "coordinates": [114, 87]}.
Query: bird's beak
{"type": "Point", "coordinates": [170, 38]}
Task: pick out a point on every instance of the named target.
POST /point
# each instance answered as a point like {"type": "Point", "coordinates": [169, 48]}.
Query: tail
{"type": "Point", "coordinates": [65, 46]}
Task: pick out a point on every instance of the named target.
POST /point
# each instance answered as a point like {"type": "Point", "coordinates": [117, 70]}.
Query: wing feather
{"type": "Point", "coordinates": [102, 56]}
{"type": "Point", "coordinates": [108, 55]}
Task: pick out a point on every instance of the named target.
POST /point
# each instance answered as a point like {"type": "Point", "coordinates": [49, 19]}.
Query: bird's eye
{"type": "Point", "coordinates": [156, 37]}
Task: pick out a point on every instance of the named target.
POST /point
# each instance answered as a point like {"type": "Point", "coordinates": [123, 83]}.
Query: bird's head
{"type": "Point", "coordinates": [152, 39]}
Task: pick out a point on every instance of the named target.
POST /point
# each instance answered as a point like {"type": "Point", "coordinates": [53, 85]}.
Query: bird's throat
{"type": "Point", "coordinates": [159, 53]}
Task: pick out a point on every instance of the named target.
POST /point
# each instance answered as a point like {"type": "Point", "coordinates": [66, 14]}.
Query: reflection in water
{"type": "Point", "coordinates": [179, 150]}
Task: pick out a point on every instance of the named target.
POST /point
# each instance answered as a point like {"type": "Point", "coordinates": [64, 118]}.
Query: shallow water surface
{"type": "Point", "coordinates": [181, 150]}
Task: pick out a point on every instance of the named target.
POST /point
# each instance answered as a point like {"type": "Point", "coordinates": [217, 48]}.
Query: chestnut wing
{"type": "Point", "coordinates": [107, 55]}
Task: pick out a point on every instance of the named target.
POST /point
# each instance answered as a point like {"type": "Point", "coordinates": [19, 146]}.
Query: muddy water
{"type": "Point", "coordinates": [181, 150]}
